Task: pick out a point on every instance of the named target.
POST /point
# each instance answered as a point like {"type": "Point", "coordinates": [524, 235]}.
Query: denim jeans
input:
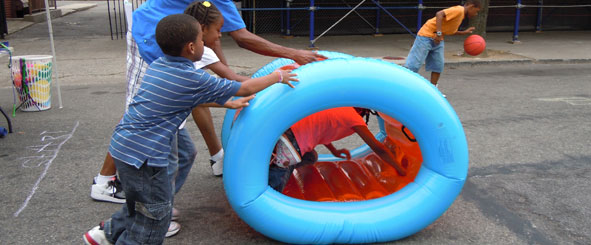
{"type": "Point", "coordinates": [424, 50]}
{"type": "Point", "coordinates": [173, 161]}
{"type": "Point", "coordinates": [186, 156]}
{"type": "Point", "coordinates": [146, 216]}
{"type": "Point", "coordinates": [181, 158]}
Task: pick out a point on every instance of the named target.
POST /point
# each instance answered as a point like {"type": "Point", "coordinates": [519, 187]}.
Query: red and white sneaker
{"type": "Point", "coordinates": [96, 236]}
{"type": "Point", "coordinates": [285, 153]}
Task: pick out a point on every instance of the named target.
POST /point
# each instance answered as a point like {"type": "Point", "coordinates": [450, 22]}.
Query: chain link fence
{"type": "Point", "coordinates": [292, 17]}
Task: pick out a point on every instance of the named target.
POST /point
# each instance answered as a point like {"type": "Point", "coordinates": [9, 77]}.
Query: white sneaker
{"type": "Point", "coordinates": [176, 214]}
{"type": "Point", "coordinates": [437, 86]}
{"type": "Point", "coordinates": [217, 167]}
{"type": "Point", "coordinates": [285, 153]}
{"type": "Point", "coordinates": [96, 236]}
{"type": "Point", "coordinates": [173, 229]}
{"type": "Point", "coordinates": [109, 192]}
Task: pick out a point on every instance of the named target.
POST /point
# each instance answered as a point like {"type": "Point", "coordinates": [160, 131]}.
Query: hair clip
{"type": "Point", "coordinates": [207, 4]}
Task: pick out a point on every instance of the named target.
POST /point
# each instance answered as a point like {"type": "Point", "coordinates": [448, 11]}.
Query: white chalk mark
{"type": "Point", "coordinates": [47, 137]}
{"type": "Point", "coordinates": [47, 165]}
{"type": "Point", "coordinates": [55, 132]}
{"type": "Point", "coordinates": [570, 100]}
{"type": "Point", "coordinates": [41, 147]}
{"type": "Point", "coordinates": [26, 164]}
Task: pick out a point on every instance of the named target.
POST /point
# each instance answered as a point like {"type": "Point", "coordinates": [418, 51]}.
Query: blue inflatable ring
{"type": "Point", "coordinates": [278, 63]}
{"type": "Point", "coordinates": [360, 82]}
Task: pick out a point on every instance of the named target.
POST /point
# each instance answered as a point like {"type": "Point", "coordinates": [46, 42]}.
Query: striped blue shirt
{"type": "Point", "coordinates": [170, 89]}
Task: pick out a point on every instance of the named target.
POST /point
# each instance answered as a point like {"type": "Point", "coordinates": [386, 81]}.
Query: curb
{"type": "Point", "coordinates": [456, 64]}
{"type": "Point", "coordinates": [509, 62]}
{"type": "Point", "coordinates": [73, 8]}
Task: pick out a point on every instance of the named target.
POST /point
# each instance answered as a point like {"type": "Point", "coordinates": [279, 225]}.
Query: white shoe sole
{"type": "Point", "coordinates": [218, 168]}
{"type": "Point", "coordinates": [174, 231]}
{"type": "Point", "coordinates": [98, 196]}
{"type": "Point", "coordinates": [291, 148]}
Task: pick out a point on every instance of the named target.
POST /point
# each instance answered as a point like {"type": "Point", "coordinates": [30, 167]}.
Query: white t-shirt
{"type": "Point", "coordinates": [209, 57]}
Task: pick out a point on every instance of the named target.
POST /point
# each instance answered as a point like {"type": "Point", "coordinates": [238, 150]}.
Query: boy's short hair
{"type": "Point", "coordinates": [173, 32]}
{"type": "Point", "coordinates": [476, 3]}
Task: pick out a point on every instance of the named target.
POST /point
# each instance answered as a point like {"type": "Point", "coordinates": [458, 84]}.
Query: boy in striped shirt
{"type": "Point", "coordinates": [142, 140]}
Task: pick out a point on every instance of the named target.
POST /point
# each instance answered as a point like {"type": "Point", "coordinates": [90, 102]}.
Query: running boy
{"type": "Point", "coordinates": [141, 142]}
{"type": "Point", "coordinates": [428, 47]}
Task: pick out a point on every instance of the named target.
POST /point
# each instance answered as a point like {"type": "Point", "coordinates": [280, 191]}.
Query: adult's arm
{"type": "Point", "coordinates": [248, 40]}
{"type": "Point", "coordinates": [379, 148]}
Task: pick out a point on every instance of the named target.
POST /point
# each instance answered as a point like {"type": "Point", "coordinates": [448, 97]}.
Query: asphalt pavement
{"type": "Point", "coordinates": [525, 110]}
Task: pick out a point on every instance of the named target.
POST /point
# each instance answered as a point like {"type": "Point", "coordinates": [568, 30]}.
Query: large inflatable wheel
{"type": "Point", "coordinates": [360, 82]}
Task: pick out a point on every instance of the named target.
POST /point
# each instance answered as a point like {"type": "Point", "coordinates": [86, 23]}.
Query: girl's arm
{"type": "Point", "coordinates": [378, 148]}
{"type": "Point", "coordinates": [224, 71]}
{"type": "Point", "coordinates": [254, 85]}
{"type": "Point", "coordinates": [342, 153]}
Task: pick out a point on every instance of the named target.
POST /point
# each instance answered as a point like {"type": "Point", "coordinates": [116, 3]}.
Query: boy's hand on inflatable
{"type": "Point", "coordinates": [287, 76]}
{"type": "Point", "coordinates": [303, 57]}
{"type": "Point", "coordinates": [239, 103]}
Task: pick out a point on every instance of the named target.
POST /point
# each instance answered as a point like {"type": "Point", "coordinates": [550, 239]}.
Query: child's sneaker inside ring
{"type": "Point", "coordinates": [285, 153]}
{"type": "Point", "coordinates": [173, 229]}
{"type": "Point", "coordinates": [109, 192]}
{"type": "Point", "coordinates": [96, 236]}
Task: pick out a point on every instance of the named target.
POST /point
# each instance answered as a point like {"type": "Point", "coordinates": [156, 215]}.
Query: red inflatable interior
{"type": "Point", "coordinates": [359, 179]}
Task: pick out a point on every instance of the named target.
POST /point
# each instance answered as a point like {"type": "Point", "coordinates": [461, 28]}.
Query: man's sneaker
{"type": "Point", "coordinates": [175, 214]}
{"type": "Point", "coordinates": [173, 229]}
{"type": "Point", "coordinates": [109, 192]}
{"type": "Point", "coordinates": [96, 236]}
{"type": "Point", "coordinates": [217, 167]}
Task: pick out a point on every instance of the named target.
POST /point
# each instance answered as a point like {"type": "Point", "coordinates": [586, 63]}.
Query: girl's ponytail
{"type": "Point", "coordinates": [203, 11]}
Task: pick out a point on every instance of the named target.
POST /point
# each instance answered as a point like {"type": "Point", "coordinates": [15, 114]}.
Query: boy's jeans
{"type": "Point", "coordinates": [186, 157]}
{"type": "Point", "coordinates": [181, 158]}
{"type": "Point", "coordinates": [146, 216]}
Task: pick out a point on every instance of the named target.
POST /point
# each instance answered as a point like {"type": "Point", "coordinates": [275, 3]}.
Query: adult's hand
{"type": "Point", "coordinates": [303, 57]}
{"type": "Point", "coordinates": [248, 40]}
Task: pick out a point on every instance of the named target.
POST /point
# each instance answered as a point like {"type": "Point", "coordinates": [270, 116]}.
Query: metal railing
{"type": "Point", "coordinates": [369, 13]}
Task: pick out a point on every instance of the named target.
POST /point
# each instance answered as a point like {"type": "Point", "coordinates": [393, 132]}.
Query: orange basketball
{"type": "Point", "coordinates": [474, 45]}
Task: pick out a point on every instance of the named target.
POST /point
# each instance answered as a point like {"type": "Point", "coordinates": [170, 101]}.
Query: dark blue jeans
{"type": "Point", "coordinates": [146, 216]}
{"type": "Point", "coordinates": [278, 177]}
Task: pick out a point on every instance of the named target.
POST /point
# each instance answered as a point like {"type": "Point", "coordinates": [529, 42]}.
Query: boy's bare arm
{"type": "Point", "coordinates": [464, 32]}
{"type": "Point", "coordinates": [232, 104]}
{"type": "Point", "coordinates": [438, 22]}
{"type": "Point", "coordinates": [342, 153]}
{"type": "Point", "coordinates": [378, 148]}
